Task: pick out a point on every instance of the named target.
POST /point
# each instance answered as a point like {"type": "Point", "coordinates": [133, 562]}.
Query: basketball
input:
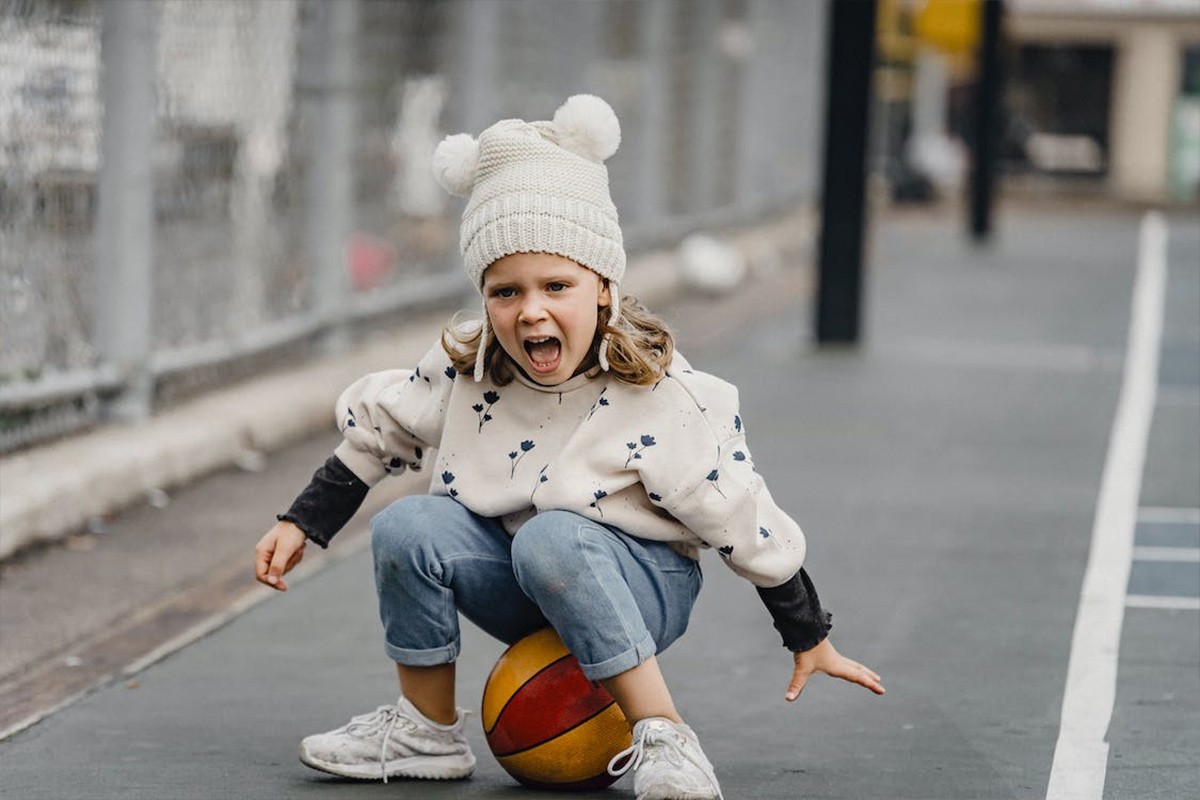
{"type": "Point", "coordinates": [548, 725]}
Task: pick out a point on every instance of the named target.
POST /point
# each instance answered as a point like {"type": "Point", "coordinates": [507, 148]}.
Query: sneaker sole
{"type": "Point", "coordinates": [671, 793]}
{"type": "Point", "coordinates": [440, 768]}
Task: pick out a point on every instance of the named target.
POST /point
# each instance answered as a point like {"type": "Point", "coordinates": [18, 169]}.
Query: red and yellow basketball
{"type": "Point", "coordinates": [546, 723]}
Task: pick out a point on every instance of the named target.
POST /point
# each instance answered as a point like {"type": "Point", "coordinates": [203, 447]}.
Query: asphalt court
{"type": "Point", "coordinates": [1154, 736]}
{"type": "Point", "coordinates": [947, 474]}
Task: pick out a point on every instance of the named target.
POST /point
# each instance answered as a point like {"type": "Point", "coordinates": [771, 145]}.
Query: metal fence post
{"type": "Point", "coordinates": [476, 36]}
{"type": "Point", "coordinates": [649, 198]}
{"type": "Point", "coordinates": [124, 288]}
{"type": "Point", "coordinates": [331, 186]}
{"type": "Point", "coordinates": [705, 118]}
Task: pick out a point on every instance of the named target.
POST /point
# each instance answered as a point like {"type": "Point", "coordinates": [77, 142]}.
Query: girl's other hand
{"type": "Point", "coordinates": [277, 552]}
{"type": "Point", "coordinates": [824, 658]}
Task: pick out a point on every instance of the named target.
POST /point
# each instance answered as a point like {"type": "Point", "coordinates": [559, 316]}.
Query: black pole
{"type": "Point", "coordinates": [986, 122]}
{"type": "Point", "coordinates": [847, 113]}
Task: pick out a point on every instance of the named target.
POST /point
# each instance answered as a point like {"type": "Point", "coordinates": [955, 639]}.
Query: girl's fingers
{"type": "Point", "coordinates": [279, 565]}
{"type": "Point", "coordinates": [866, 678]}
{"type": "Point", "coordinates": [262, 562]}
{"type": "Point", "coordinates": [855, 672]}
{"type": "Point", "coordinates": [799, 680]}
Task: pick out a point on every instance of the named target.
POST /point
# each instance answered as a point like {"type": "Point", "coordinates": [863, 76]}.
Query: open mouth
{"type": "Point", "coordinates": [545, 353]}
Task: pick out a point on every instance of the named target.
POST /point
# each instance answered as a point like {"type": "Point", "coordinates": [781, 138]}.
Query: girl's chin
{"type": "Point", "coordinates": [548, 375]}
{"type": "Point", "coordinates": [551, 377]}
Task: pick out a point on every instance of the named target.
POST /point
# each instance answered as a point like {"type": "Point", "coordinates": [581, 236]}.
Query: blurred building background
{"type": "Point", "coordinates": [192, 191]}
{"type": "Point", "coordinates": [1101, 97]}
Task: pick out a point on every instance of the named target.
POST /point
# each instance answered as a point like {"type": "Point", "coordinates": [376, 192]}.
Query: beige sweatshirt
{"type": "Point", "coordinates": [666, 462]}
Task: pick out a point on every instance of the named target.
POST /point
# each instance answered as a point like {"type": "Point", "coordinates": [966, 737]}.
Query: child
{"type": "Point", "coordinates": [581, 467]}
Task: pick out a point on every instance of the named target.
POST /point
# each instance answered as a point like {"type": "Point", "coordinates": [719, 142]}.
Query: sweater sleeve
{"type": "Point", "coordinates": [327, 503]}
{"type": "Point", "coordinates": [708, 482]}
{"type": "Point", "coordinates": [797, 613]}
{"type": "Point", "coordinates": [390, 420]}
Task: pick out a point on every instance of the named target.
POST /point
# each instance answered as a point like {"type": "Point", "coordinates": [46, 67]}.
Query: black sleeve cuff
{"type": "Point", "coordinates": [328, 502]}
{"type": "Point", "coordinates": [797, 612]}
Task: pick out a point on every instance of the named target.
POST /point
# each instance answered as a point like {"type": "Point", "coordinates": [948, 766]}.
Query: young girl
{"type": "Point", "coordinates": [582, 465]}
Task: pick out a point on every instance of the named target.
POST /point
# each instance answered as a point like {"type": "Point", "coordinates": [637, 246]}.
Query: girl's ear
{"type": "Point", "coordinates": [605, 299]}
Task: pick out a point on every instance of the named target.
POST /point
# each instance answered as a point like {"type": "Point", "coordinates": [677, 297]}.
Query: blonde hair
{"type": "Point", "coordinates": [640, 347]}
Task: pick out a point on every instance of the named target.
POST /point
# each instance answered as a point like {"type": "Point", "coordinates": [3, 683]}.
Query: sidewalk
{"type": "Point", "coordinates": [946, 473]}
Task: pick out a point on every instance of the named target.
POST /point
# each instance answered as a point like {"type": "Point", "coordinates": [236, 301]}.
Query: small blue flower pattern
{"type": "Point", "coordinates": [447, 479]}
{"type": "Point", "coordinates": [635, 452]}
{"type": "Point", "coordinates": [450, 373]}
{"type": "Point", "coordinates": [712, 478]}
{"type": "Point", "coordinates": [484, 412]}
{"type": "Point", "coordinates": [516, 456]}
{"type": "Point", "coordinates": [599, 494]}
{"type": "Point", "coordinates": [600, 402]}
{"type": "Point", "coordinates": [542, 478]}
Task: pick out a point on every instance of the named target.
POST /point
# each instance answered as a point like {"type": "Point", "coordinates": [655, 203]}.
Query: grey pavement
{"type": "Point", "coordinates": [946, 472]}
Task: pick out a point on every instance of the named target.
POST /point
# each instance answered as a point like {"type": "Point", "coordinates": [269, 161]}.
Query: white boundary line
{"type": "Point", "coordinates": [1163, 602]}
{"type": "Point", "coordinates": [1189, 555]}
{"type": "Point", "coordinates": [1081, 753]}
{"type": "Point", "coordinates": [1169, 516]}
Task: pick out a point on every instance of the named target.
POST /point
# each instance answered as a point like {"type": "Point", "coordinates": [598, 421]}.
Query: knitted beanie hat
{"type": "Point", "coordinates": [538, 187]}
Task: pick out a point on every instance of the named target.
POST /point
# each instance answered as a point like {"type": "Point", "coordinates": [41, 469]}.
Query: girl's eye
{"type": "Point", "coordinates": [504, 291]}
{"type": "Point", "coordinates": [556, 286]}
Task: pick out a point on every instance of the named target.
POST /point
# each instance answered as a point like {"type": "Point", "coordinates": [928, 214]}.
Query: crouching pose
{"type": "Point", "coordinates": [582, 465]}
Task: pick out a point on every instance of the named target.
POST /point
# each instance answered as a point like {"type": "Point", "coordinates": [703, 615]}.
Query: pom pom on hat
{"type": "Point", "coordinates": [454, 163]}
{"type": "Point", "coordinates": [588, 127]}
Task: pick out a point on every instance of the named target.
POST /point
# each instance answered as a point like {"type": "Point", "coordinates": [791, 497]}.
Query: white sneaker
{"type": "Point", "coordinates": [393, 741]}
{"type": "Point", "coordinates": [668, 763]}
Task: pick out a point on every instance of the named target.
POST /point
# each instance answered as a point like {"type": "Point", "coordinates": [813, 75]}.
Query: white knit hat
{"type": "Point", "coordinates": [538, 187]}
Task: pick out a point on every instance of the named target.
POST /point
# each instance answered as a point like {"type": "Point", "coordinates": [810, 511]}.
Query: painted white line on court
{"type": "Point", "coordinates": [1169, 516]}
{"type": "Point", "coordinates": [1190, 555]}
{"type": "Point", "coordinates": [1165, 603]}
{"type": "Point", "coordinates": [1081, 753]}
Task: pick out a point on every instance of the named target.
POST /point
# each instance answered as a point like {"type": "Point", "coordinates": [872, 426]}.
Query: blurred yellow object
{"type": "Point", "coordinates": [891, 31]}
{"type": "Point", "coordinates": [949, 25]}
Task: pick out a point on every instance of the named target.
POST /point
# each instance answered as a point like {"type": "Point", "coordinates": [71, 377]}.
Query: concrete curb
{"type": "Point", "coordinates": [52, 492]}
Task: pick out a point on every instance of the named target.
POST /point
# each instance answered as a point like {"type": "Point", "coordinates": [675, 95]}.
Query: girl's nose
{"type": "Point", "coordinates": [532, 310]}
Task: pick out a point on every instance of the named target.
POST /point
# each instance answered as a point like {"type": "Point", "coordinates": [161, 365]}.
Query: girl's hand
{"type": "Point", "coordinates": [823, 658]}
{"type": "Point", "coordinates": [277, 552]}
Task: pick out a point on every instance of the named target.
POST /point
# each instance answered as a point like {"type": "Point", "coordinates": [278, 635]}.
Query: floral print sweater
{"type": "Point", "coordinates": [667, 462]}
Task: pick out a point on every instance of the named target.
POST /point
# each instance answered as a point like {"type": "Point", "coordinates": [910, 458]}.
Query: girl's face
{"type": "Point", "coordinates": [544, 310]}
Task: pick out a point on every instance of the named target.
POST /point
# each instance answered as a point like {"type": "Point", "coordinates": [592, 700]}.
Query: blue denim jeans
{"type": "Point", "coordinates": [614, 599]}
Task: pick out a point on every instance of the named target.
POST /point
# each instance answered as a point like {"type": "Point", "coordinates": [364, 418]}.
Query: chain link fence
{"type": "Point", "coordinates": [282, 200]}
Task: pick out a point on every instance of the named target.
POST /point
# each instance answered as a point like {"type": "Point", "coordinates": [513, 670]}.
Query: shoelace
{"type": "Point", "coordinates": [387, 716]}
{"type": "Point", "coordinates": [648, 736]}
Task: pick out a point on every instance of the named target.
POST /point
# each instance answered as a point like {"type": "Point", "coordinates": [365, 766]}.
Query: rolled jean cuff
{"type": "Point", "coordinates": [622, 662]}
{"type": "Point", "coordinates": [423, 658]}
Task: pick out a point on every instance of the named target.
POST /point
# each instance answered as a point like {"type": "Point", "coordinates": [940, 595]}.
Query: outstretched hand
{"type": "Point", "coordinates": [824, 658]}
{"type": "Point", "coordinates": [277, 552]}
